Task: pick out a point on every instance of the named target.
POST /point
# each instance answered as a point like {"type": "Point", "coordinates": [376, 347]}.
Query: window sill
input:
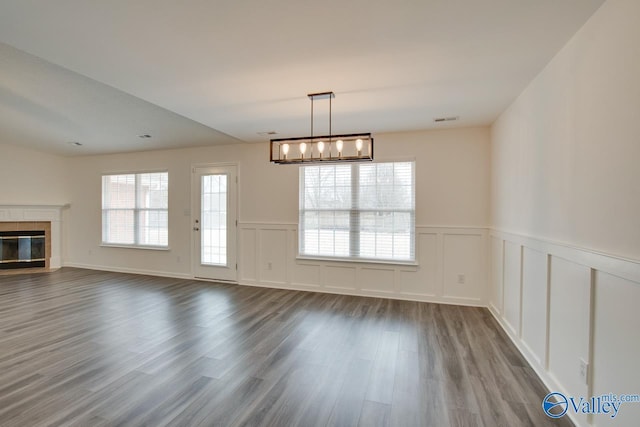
{"type": "Point", "coordinates": [150, 248]}
{"type": "Point", "coordinates": [357, 261]}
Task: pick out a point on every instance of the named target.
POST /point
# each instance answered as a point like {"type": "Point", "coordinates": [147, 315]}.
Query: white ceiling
{"type": "Point", "coordinates": [44, 106]}
{"type": "Point", "coordinates": [196, 71]}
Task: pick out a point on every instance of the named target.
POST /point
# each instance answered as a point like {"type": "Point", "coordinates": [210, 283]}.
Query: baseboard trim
{"type": "Point", "coordinates": [368, 294]}
{"type": "Point", "coordinates": [283, 285]}
{"type": "Point", "coordinates": [546, 377]}
{"type": "Point", "coordinates": [129, 270]}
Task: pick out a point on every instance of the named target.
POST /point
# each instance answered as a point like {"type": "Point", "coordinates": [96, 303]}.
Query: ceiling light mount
{"type": "Point", "coordinates": [355, 147]}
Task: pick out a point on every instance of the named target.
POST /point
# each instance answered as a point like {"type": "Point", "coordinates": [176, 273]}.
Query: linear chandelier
{"type": "Point", "coordinates": [354, 147]}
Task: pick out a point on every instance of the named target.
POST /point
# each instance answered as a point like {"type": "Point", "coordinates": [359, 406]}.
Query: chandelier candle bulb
{"type": "Point", "coordinates": [320, 148]}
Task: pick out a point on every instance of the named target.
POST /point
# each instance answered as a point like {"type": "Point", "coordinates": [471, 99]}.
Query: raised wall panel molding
{"type": "Point", "coordinates": [535, 303]}
{"type": "Point", "coordinates": [421, 282]}
{"type": "Point", "coordinates": [512, 286]}
{"type": "Point", "coordinates": [376, 279]}
{"type": "Point", "coordinates": [463, 266]}
{"type": "Point", "coordinates": [564, 317]}
{"type": "Point", "coordinates": [247, 244]}
{"type": "Point", "coordinates": [496, 279]}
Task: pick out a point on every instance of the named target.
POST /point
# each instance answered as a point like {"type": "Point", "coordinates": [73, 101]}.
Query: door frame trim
{"type": "Point", "coordinates": [192, 208]}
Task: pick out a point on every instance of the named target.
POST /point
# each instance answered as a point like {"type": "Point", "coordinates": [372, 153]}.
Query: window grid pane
{"type": "Point", "coordinates": [361, 211]}
{"type": "Point", "coordinates": [119, 191]}
{"type": "Point", "coordinates": [135, 209]}
{"type": "Point", "coordinates": [153, 227]}
{"type": "Point", "coordinates": [118, 226]}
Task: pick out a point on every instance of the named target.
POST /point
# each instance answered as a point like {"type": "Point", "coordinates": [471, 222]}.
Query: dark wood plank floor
{"type": "Point", "coordinates": [81, 347]}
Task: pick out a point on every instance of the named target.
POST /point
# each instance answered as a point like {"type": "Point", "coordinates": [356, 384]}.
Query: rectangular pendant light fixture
{"type": "Point", "coordinates": [356, 147]}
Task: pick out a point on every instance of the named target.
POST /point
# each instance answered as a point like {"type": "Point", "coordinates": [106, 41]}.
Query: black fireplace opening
{"type": "Point", "coordinates": [22, 249]}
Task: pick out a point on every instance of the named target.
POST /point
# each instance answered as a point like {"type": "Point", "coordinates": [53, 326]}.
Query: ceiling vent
{"type": "Point", "coordinates": [446, 119]}
{"type": "Point", "coordinates": [271, 132]}
{"type": "Point", "coordinates": [75, 143]}
{"type": "Point", "coordinates": [144, 136]}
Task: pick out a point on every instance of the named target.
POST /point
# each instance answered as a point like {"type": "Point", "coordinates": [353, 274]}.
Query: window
{"type": "Point", "coordinates": [358, 211]}
{"type": "Point", "coordinates": [135, 209]}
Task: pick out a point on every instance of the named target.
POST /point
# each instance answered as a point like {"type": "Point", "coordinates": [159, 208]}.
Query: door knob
{"type": "Point", "coordinates": [196, 229]}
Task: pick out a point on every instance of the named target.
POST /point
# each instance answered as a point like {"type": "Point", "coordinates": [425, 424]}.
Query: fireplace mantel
{"type": "Point", "coordinates": [50, 213]}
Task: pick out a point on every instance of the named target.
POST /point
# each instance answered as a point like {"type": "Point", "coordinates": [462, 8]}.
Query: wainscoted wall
{"type": "Point", "coordinates": [561, 305]}
{"type": "Point", "coordinates": [268, 258]}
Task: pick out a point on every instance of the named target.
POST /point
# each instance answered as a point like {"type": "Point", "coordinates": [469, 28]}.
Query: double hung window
{"type": "Point", "coordinates": [135, 209]}
{"type": "Point", "coordinates": [359, 211]}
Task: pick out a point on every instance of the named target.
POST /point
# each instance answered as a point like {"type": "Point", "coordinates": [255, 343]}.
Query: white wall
{"type": "Point", "coordinates": [565, 270]}
{"type": "Point", "coordinates": [30, 177]}
{"type": "Point", "coordinates": [452, 203]}
{"type": "Point", "coordinates": [85, 212]}
{"type": "Point", "coordinates": [565, 154]}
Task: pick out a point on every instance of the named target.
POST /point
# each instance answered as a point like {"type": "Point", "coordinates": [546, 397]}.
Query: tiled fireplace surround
{"type": "Point", "coordinates": [40, 217]}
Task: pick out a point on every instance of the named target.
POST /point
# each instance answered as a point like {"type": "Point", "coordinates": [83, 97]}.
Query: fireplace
{"type": "Point", "coordinates": [25, 245]}
{"type": "Point", "coordinates": [22, 249]}
{"type": "Point", "coordinates": [36, 217]}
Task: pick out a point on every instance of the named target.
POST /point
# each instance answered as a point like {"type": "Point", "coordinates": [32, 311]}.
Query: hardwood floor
{"type": "Point", "coordinates": [88, 348]}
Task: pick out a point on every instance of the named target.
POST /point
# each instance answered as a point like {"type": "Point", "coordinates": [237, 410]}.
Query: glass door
{"type": "Point", "coordinates": [215, 222]}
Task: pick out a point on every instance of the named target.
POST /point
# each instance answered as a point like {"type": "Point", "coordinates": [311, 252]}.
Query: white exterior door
{"type": "Point", "coordinates": [214, 196]}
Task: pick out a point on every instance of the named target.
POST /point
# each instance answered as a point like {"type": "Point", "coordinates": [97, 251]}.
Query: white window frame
{"type": "Point", "coordinates": [136, 210]}
{"type": "Point", "coordinates": [353, 230]}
